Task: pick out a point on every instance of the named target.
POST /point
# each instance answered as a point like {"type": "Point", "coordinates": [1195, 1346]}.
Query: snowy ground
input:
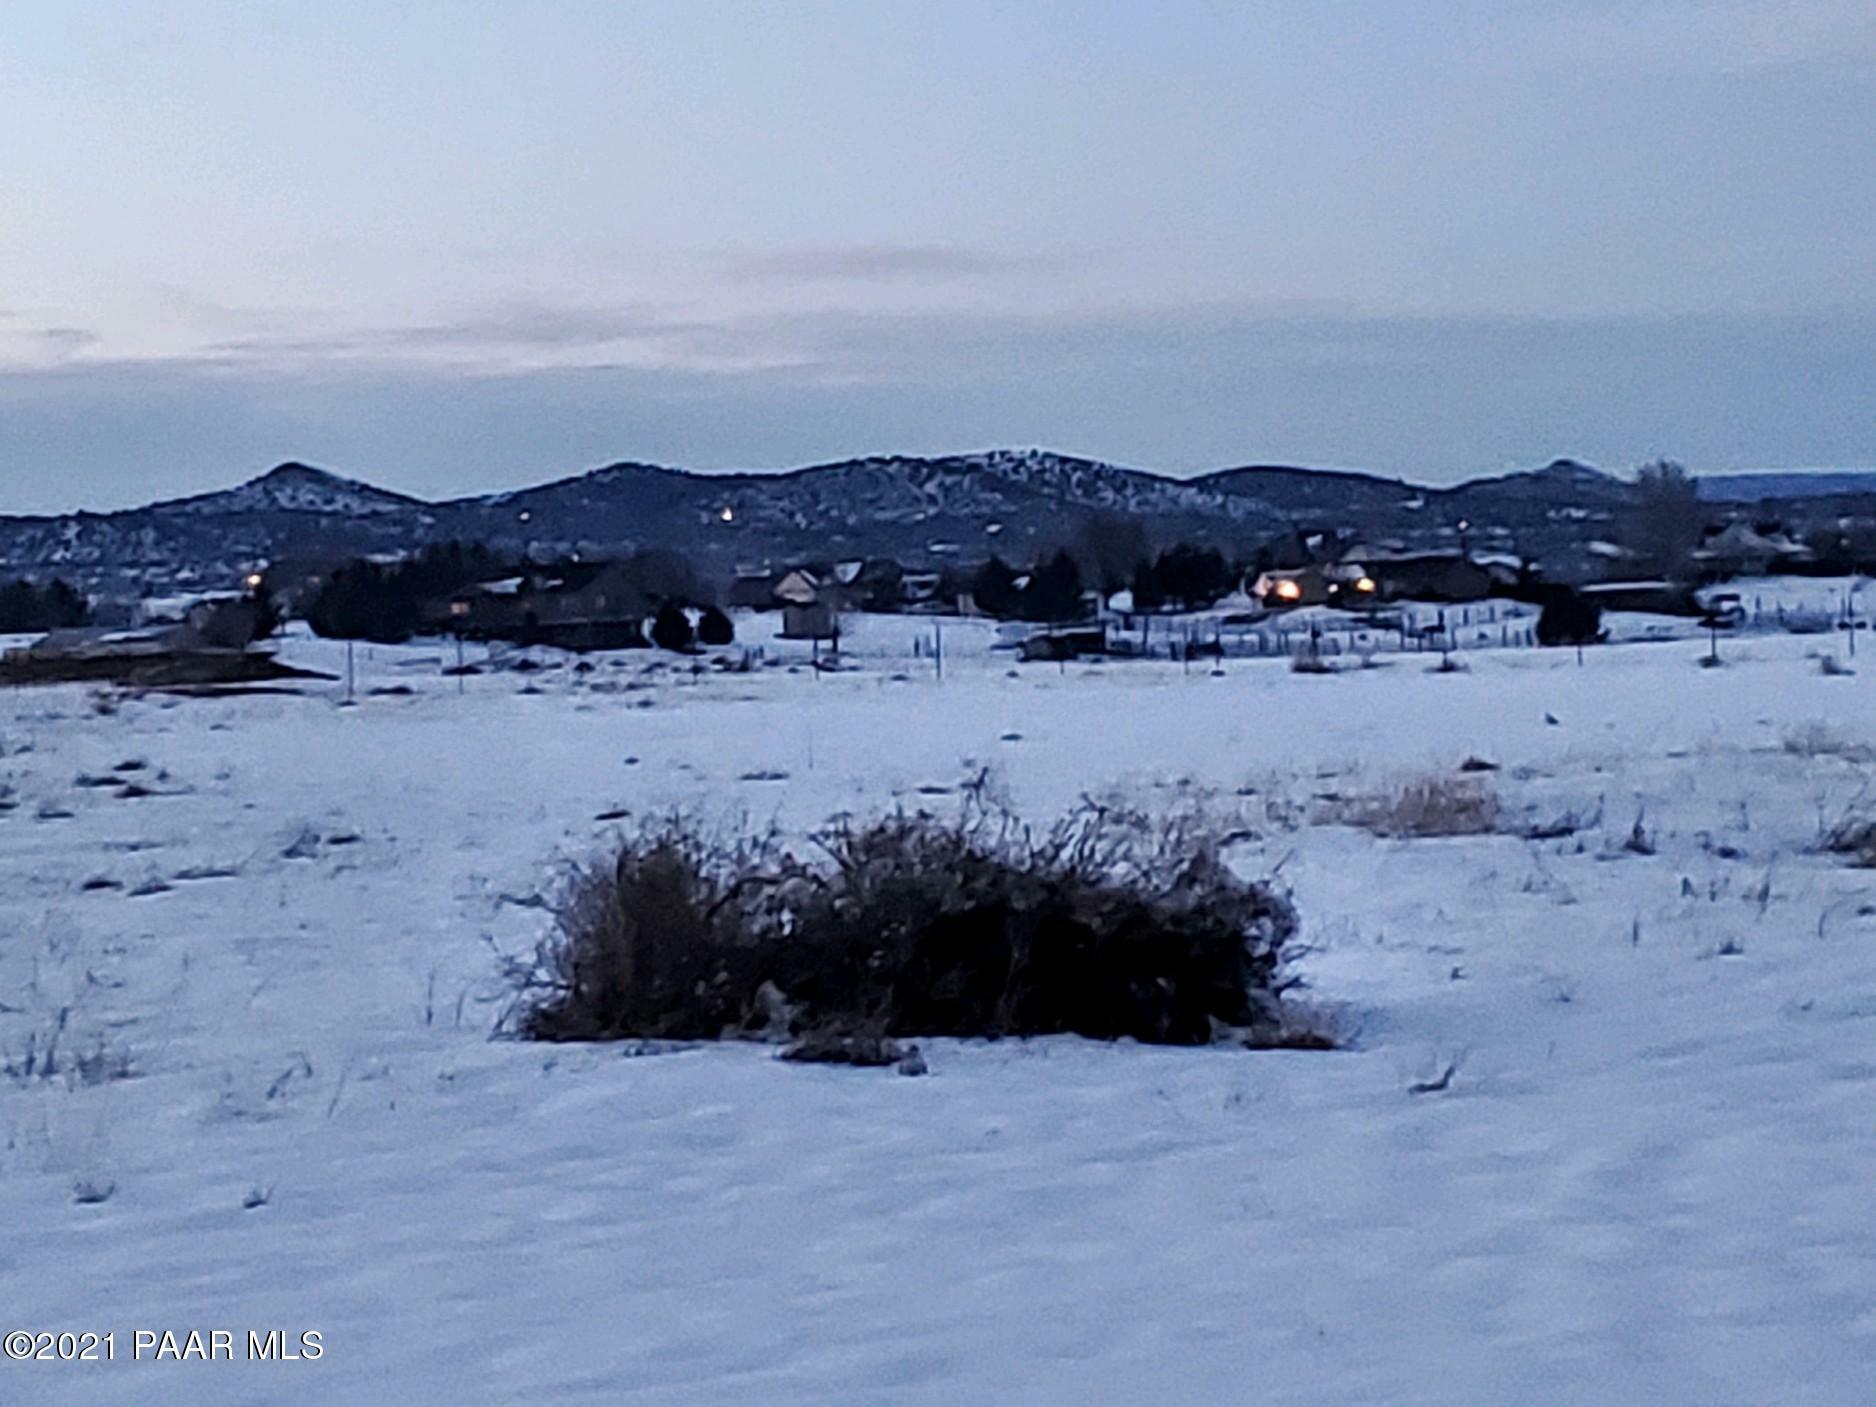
{"type": "Point", "coordinates": [1650, 1177]}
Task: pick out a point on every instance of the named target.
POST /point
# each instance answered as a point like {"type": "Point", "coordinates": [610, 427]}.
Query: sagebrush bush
{"type": "Point", "coordinates": [1428, 806]}
{"type": "Point", "coordinates": [1107, 925]}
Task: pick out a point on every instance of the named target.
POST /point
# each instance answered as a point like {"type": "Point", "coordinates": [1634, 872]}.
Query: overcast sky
{"type": "Point", "coordinates": [455, 247]}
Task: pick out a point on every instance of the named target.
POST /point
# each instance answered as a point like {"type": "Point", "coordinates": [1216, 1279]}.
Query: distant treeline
{"type": "Point", "coordinates": [389, 603]}
{"type": "Point", "coordinates": [27, 607]}
{"type": "Point", "coordinates": [1183, 577]}
{"type": "Point", "coordinates": [373, 601]}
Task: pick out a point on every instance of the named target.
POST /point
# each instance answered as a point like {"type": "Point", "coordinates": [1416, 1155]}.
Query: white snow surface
{"type": "Point", "coordinates": [1649, 1180]}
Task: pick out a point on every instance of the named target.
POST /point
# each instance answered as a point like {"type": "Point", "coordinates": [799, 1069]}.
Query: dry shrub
{"type": "Point", "coordinates": [1855, 836]}
{"type": "Point", "coordinates": [1107, 925]}
{"type": "Point", "coordinates": [1817, 740]}
{"type": "Point", "coordinates": [1427, 806]}
{"type": "Point", "coordinates": [48, 1055]}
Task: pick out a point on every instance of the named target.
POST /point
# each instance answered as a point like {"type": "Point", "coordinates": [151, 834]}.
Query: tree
{"type": "Point", "coordinates": [1109, 547]}
{"type": "Point", "coordinates": [1054, 592]}
{"type": "Point", "coordinates": [267, 617]}
{"type": "Point", "coordinates": [1149, 592]}
{"type": "Point", "coordinates": [714, 628]}
{"type": "Point", "coordinates": [1193, 577]}
{"type": "Point", "coordinates": [1663, 526]}
{"type": "Point", "coordinates": [670, 629]}
{"type": "Point", "coordinates": [65, 607]}
{"type": "Point", "coordinates": [994, 588]}
{"type": "Point", "coordinates": [1569, 618]}
{"type": "Point", "coordinates": [364, 601]}
{"type": "Point", "coordinates": [232, 623]}
{"type": "Point", "coordinates": [665, 575]}
{"type": "Point", "coordinates": [25, 607]}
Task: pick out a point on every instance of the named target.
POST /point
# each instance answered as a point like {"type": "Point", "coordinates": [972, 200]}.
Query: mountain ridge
{"type": "Point", "coordinates": [922, 509]}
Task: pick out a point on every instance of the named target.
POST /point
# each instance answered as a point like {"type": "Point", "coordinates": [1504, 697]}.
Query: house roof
{"type": "Point", "coordinates": [1610, 588]}
{"type": "Point", "coordinates": [798, 587]}
{"type": "Point", "coordinates": [1744, 539]}
{"type": "Point", "coordinates": [109, 643]}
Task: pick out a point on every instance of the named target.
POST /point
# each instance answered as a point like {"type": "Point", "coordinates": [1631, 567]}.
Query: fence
{"type": "Point", "coordinates": [1412, 630]}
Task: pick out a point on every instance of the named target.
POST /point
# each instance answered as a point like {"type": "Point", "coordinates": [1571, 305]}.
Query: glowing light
{"type": "Point", "coordinates": [1365, 584]}
{"type": "Point", "coordinates": [1288, 590]}
{"type": "Point", "coordinates": [254, 580]}
{"type": "Point", "coordinates": [728, 514]}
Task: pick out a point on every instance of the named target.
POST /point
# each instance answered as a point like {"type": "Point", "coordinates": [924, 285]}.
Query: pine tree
{"type": "Point", "coordinates": [715, 629]}
{"type": "Point", "coordinates": [670, 629]}
{"type": "Point", "coordinates": [1054, 592]}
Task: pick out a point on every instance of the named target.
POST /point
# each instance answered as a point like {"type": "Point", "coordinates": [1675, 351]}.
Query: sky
{"type": "Point", "coordinates": [460, 247]}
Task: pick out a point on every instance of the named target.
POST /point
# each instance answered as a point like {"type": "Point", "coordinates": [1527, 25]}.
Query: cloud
{"type": "Point", "coordinates": [505, 336]}
{"type": "Point", "coordinates": [42, 346]}
{"type": "Point", "coordinates": [1429, 398]}
{"type": "Point", "coordinates": [66, 341]}
{"type": "Point", "coordinates": [1724, 36]}
{"type": "Point", "coordinates": [540, 325]}
{"type": "Point", "coordinates": [884, 263]}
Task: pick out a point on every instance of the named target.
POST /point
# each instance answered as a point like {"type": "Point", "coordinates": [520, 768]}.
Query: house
{"type": "Point", "coordinates": [295, 581]}
{"type": "Point", "coordinates": [1743, 549]}
{"type": "Point", "coordinates": [217, 621]}
{"type": "Point", "coordinates": [168, 610]}
{"type": "Point", "coordinates": [875, 584]}
{"type": "Point", "coordinates": [810, 620]}
{"type": "Point", "coordinates": [1664, 598]}
{"type": "Point", "coordinates": [1453, 577]}
{"type": "Point", "coordinates": [1304, 547]}
{"type": "Point", "coordinates": [921, 591]}
{"type": "Point", "coordinates": [801, 586]}
{"type": "Point", "coordinates": [814, 597]}
{"type": "Point", "coordinates": [1284, 587]}
{"type": "Point", "coordinates": [1065, 643]}
{"type": "Point", "coordinates": [599, 607]}
{"type": "Point", "coordinates": [482, 610]}
{"type": "Point", "coordinates": [229, 623]}
{"type": "Point", "coordinates": [170, 656]}
{"type": "Point", "coordinates": [1508, 571]}
{"type": "Point", "coordinates": [94, 643]}
{"type": "Point", "coordinates": [1345, 584]}
{"type": "Point", "coordinates": [754, 591]}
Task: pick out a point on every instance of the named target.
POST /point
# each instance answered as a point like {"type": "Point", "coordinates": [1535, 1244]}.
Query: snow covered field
{"type": "Point", "coordinates": [1650, 1177]}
